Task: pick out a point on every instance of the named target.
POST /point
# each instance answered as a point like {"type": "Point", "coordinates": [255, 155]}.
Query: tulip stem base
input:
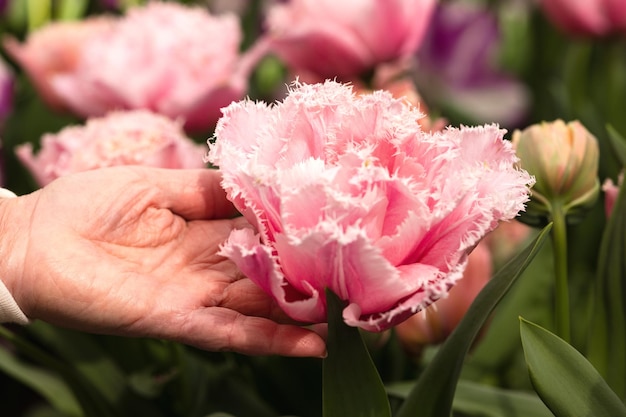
{"type": "Point", "coordinates": [352, 386]}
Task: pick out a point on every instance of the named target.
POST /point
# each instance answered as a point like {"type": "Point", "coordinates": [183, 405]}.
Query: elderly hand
{"type": "Point", "coordinates": [132, 251]}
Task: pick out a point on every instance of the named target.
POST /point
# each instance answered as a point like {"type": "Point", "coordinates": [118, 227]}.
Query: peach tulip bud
{"type": "Point", "coordinates": [434, 324]}
{"type": "Point", "coordinates": [564, 160]}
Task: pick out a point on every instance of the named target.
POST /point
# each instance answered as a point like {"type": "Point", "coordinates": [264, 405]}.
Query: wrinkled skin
{"type": "Point", "coordinates": [132, 251]}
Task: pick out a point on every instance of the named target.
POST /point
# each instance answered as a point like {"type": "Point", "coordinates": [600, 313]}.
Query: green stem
{"type": "Point", "coordinates": [559, 247]}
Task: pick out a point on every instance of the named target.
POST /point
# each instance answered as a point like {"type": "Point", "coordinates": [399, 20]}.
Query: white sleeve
{"type": "Point", "coordinates": [10, 312]}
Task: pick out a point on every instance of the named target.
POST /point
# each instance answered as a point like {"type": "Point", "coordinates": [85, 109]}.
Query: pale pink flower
{"type": "Point", "coordinates": [587, 17]}
{"type": "Point", "coordinates": [136, 137]}
{"type": "Point", "coordinates": [52, 50]}
{"type": "Point", "coordinates": [348, 193]}
{"type": "Point", "coordinates": [175, 60]}
{"type": "Point", "coordinates": [434, 324]}
{"type": "Point", "coordinates": [332, 38]}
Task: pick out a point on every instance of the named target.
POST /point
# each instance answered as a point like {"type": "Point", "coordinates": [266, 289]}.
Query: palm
{"type": "Point", "coordinates": [136, 259]}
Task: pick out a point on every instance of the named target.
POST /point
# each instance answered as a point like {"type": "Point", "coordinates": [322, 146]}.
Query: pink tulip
{"type": "Point", "coordinates": [55, 49]}
{"type": "Point", "coordinates": [332, 38]}
{"type": "Point", "coordinates": [348, 193]}
{"type": "Point", "coordinates": [175, 60]}
{"type": "Point", "coordinates": [435, 323]}
{"type": "Point", "coordinates": [611, 190]}
{"type": "Point", "coordinates": [136, 137]}
{"type": "Point", "coordinates": [587, 17]}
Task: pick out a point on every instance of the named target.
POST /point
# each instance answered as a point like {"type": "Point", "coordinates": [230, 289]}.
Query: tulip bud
{"type": "Point", "coordinates": [564, 160]}
{"type": "Point", "coordinates": [611, 190]}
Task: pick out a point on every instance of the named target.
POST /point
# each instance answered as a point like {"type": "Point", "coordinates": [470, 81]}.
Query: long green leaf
{"type": "Point", "coordinates": [531, 297]}
{"type": "Point", "coordinates": [42, 381]}
{"type": "Point", "coordinates": [92, 402]}
{"type": "Point", "coordinates": [566, 382]}
{"type": "Point", "coordinates": [351, 384]}
{"type": "Point", "coordinates": [618, 143]}
{"type": "Point", "coordinates": [607, 342]}
{"type": "Point", "coordinates": [90, 359]}
{"type": "Point", "coordinates": [474, 399]}
{"type": "Point", "coordinates": [433, 393]}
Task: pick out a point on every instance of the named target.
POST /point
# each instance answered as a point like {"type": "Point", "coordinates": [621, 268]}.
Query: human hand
{"type": "Point", "coordinates": [132, 251]}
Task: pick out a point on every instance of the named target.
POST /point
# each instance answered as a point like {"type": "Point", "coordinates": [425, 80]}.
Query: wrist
{"type": "Point", "coordinates": [12, 253]}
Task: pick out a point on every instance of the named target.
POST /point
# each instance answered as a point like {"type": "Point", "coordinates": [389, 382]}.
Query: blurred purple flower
{"type": "Point", "coordinates": [458, 69]}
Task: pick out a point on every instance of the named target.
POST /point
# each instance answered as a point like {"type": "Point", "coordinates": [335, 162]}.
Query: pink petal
{"type": "Point", "coordinates": [256, 262]}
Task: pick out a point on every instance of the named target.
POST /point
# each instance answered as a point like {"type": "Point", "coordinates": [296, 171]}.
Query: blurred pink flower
{"type": "Point", "coordinates": [435, 323]}
{"type": "Point", "coordinates": [397, 79]}
{"type": "Point", "coordinates": [332, 38]}
{"type": "Point", "coordinates": [136, 137]}
{"type": "Point", "coordinates": [178, 61]}
{"type": "Point", "coordinates": [7, 87]}
{"type": "Point", "coordinates": [348, 193]}
{"type": "Point", "coordinates": [587, 17]}
{"type": "Point", "coordinates": [505, 240]}
{"type": "Point", "coordinates": [54, 49]}
{"type": "Point", "coordinates": [611, 190]}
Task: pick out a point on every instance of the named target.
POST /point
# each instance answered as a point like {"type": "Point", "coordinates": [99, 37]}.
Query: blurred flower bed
{"type": "Point", "coordinates": [93, 83]}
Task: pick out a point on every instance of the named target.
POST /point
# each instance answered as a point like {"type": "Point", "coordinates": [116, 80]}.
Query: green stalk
{"type": "Point", "coordinates": [559, 247]}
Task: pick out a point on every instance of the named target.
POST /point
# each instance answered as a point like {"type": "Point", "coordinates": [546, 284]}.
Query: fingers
{"type": "Point", "coordinates": [219, 329]}
{"type": "Point", "coordinates": [193, 194]}
{"type": "Point", "coordinates": [249, 299]}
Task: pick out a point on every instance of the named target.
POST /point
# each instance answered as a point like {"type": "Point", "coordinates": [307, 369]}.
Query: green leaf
{"type": "Point", "coordinates": [351, 383]}
{"type": "Point", "coordinates": [71, 9]}
{"type": "Point", "coordinates": [566, 382]}
{"type": "Point", "coordinates": [607, 341]}
{"type": "Point", "coordinates": [618, 143]}
{"type": "Point", "coordinates": [92, 402]}
{"type": "Point", "coordinates": [531, 297]}
{"type": "Point", "coordinates": [45, 383]}
{"type": "Point", "coordinates": [39, 12]}
{"type": "Point", "coordinates": [433, 394]}
{"type": "Point", "coordinates": [81, 351]}
{"type": "Point", "coordinates": [474, 399]}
